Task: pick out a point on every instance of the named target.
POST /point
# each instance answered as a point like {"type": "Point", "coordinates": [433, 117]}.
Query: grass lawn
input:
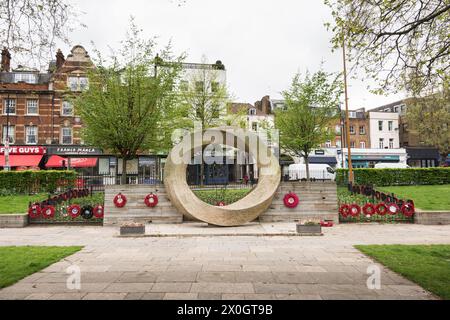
{"type": "Point", "coordinates": [429, 198]}
{"type": "Point", "coordinates": [428, 266]}
{"type": "Point", "coordinates": [17, 263]}
{"type": "Point", "coordinates": [19, 203]}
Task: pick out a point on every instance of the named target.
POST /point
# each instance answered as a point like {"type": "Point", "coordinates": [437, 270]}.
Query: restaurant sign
{"type": "Point", "coordinates": [25, 150]}
{"type": "Point", "coordinates": [74, 151]}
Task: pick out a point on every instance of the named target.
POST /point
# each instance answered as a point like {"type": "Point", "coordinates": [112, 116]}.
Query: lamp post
{"type": "Point", "coordinates": [351, 178]}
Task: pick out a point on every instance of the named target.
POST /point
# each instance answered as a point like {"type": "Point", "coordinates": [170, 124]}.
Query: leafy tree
{"type": "Point", "coordinates": [429, 117]}
{"type": "Point", "coordinates": [204, 99]}
{"type": "Point", "coordinates": [312, 104]}
{"type": "Point", "coordinates": [401, 44]}
{"type": "Point", "coordinates": [30, 28]}
{"type": "Point", "coordinates": [128, 106]}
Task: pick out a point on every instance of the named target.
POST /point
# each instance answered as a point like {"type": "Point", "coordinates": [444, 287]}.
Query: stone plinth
{"type": "Point", "coordinates": [13, 221]}
{"type": "Point", "coordinates": [432, 217]}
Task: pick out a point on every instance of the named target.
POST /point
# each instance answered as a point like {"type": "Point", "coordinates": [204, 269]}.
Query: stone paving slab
{"type": "Point", "coordinates": [215, 268]}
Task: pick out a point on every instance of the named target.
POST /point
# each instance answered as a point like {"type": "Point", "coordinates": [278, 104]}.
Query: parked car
{"type": "Point", "coordinates": [392, 166]}
{"type": "Point", "coordinates": [316, 171]}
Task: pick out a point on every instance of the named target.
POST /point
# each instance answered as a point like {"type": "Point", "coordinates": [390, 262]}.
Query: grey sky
{"type": "Point", "coordinates": [261, 42]}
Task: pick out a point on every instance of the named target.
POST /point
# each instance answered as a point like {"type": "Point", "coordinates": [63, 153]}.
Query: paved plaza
{"type": "Point", "coordinates": [253, 262]}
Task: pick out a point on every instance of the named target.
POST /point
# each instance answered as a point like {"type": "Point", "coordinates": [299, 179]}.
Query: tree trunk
{"type": "Point", "coordinates": [308, 175]}
{"type": "Point", "coordinates": [123, 179]}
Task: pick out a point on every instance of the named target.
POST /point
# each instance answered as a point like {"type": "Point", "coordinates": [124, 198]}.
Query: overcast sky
{"type": "Point", "coordinates": [262, 43]}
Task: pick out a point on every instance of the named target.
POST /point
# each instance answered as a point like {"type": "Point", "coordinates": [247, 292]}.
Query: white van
{"type": "Point", "coordinates": [316, 171]}
{"type": "Point", "coordinates": [391, 166]}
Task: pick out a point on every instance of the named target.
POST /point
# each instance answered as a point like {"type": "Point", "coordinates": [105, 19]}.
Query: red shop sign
{"type": "Point", "coordinates": [26, 150]}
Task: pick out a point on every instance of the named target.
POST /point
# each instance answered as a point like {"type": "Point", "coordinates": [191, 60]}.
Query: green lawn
{"type": "Point", "coordinates": [19, 203]}
{"type": "Point", "coordinates": [428, 266]}
{"type": "Point", "coordinates": [429, 198]}
{"type": "Point", "coordinates": [17, 263]}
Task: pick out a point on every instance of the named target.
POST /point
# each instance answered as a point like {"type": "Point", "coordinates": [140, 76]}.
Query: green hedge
{"type": "Point", "coordinates": [396, 177]}
{"type": "Point", "coordinates": [26, 182]}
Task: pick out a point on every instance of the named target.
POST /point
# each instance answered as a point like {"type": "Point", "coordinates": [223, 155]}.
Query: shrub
{"type": "Point", "coordinates": [396, 177]}
{"type": "Point", "coordinates": [212, 197]}
{"type": "Point", "coordinates": [26, 182]}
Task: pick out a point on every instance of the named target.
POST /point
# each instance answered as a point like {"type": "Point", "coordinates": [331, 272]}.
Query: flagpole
{"type": "Point", "coordinates": [351, 178]}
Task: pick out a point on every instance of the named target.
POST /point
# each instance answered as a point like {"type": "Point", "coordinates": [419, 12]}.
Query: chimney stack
{"type": "Point", "coordinates": [60, 59]}
{"type": "Point", "coordinates": [6, 61]}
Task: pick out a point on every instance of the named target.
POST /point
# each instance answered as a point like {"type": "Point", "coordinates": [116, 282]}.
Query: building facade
{"type": "Point", "coordinates": [384, 130]}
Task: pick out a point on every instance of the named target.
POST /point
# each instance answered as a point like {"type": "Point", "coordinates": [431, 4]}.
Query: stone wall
{"type": "Point", "coordinates": [432, 217]}
{"type": "Point", "coordinates": [13, 221]}
{"type": "Point", "coordinates": [136, 210]}
{"type": "Point", "coordinates": [318, 201]}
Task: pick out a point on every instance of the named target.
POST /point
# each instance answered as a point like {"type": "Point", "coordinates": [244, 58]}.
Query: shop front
{"type": "Point", "coordinates": [423, 157]}
{"type": "Point", "coordinates": [368, 158]}
{"type": "Point", "coordinates": [22, 157]}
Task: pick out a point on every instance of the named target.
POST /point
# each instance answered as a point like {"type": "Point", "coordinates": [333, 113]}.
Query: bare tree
{"type": "Point", "coordinates": [401, 44]}
{"type": "Point", "coordinates": [31, 28]}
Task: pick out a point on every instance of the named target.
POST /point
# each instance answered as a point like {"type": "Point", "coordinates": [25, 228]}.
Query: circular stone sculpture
{"type": "Point", "coordinates": [238, 213]}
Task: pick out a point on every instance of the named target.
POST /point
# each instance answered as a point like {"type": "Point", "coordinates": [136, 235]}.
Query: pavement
{"type": "Point", "coordinates": [259, 261]}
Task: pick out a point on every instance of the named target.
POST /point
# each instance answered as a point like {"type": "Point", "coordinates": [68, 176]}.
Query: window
{"type": "Point", "coordinates": [362, 145]}
{"type": "Point", "coordinates": [352, 145]}
{"type": "Point", "coordinates": [25, 77]}
{"type": "Point", "coordinates": [352, 114]}
{"type": "Point", "coordinates": [31, 136]}
{"type": "Point", "coordinates": [66, 135]}
{"type": "Point", "coordinates": [11, 132]}
{"type": "Point", "coordinates": [214, 86]}
{"type": "Point", "coordinates": [338, 129]}
{"type": "Point", "coordinates": [78, 83]}
{"type": "Point", "coordinates": [391, 143]}
{"type": "Point", "coordinates": [199, 85]}
{"type": "Point", "coordinates": [252, 112]}
{"type": "Point", "coordinates": [391, 125]}
{"type": "Point", "coordinates": [380, 125]}
{"type": "Point", "coordinates": [255, 126]}
{"type": "Point", "coordinates": [184, 85]}
{"type": "Point", "coordinates": [9, 106]}
{"type": "Point", "coordinates": [67, 109]}
{"type": "Point", "coordinates": [352, 130]}
{"type": "Point", "coordinates": [362, 130]}
{"type": "Point", "coordinates": [338, 144]}
{"type": "Point", "coordinates": [381, 145]}
{"type": "Point", "coordinates": [32, 107]}
{"type": "Point", "coordinates": [328, 144]}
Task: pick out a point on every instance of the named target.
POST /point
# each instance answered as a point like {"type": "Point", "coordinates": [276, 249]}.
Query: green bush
{"type": "Point", "coordinates": [395, 177]}
{"type": "Point", "coordinates": [26, 182]}
{"type": "Point", "coordinates": [213, 197]}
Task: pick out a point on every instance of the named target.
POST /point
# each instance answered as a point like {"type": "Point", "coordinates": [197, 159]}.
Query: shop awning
{"type": "Point", "coordinates": [423, 153]}
{"type": "Point", "coordinates": [60, 162]}
{"type": "Point", "coordinates": [21, 160]}
{"type": "Point", "coordinates": [323, 160]}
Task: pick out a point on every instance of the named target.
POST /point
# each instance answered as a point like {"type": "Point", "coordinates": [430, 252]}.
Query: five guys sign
{"type": "Point", "coordinates": [28, 150]}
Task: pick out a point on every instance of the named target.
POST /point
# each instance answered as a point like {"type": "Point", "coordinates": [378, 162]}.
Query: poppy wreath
{"type": "Point", "coordinates": [64, 212]}
{"type": "Point", "coordinates": [120, 201]}
{"type": "Point", "coordinates": [344, 210]}
{"type": "Point", "coordinates": [87, 212]}
{"type": "Point", "coordinates": [393, 209]}
{"type": "Point", "coordinates": [99, 212]}
{"type": "Point", "coordinates": [221, 204]}
{"type": "Point", "coordinates": [34, 211]}
{"type": "Point", "coordinates": [369, 209]}
{"type": "Point", "coordinates": [382, 209]}
{"type": "Point", "coordinates": [408, 209]}
{"type": "Point", "coordinates": [291, 200]}
{"type": "Point", "coordinates": [48, 212]}
{"type": "Point", "coordinates": [151, 200]}
{"type": "Point", "coordinates": [355, 210]}
{"type": "Point", "coordinates": [74, 211]}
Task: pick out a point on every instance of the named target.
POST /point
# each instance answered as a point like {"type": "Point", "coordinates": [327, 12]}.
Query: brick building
{"type": "Point", "coordinates": [36, 108]}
